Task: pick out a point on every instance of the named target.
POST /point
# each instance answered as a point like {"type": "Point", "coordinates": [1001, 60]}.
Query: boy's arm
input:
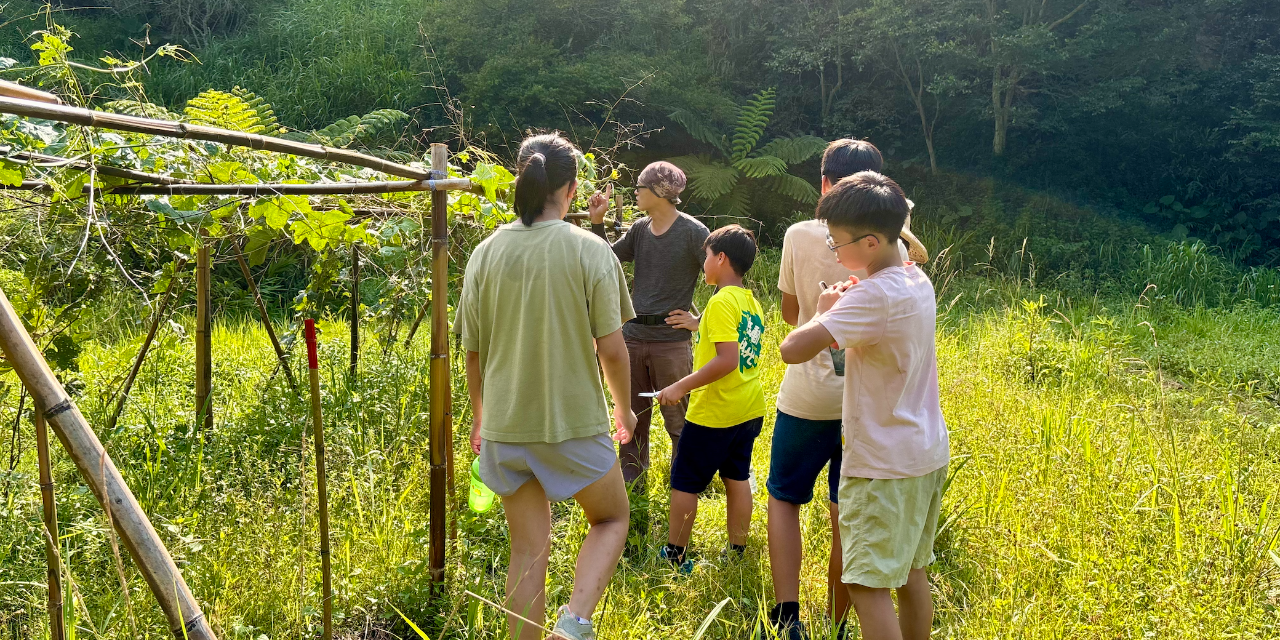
{"type": "Point", "coordinates": [805, 343]}
{"type": "Point", "coordinates": [475, 389]}
{"type": "Point", "coordinates": [723, 364]}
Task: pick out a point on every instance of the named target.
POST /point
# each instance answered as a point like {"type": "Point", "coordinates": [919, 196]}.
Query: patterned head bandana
{"type": "Point", "coordinates": [665, 180]}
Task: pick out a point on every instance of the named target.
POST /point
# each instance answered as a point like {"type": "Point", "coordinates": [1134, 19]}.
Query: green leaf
{"type": "Point", "coordinates": [761, 166]}
{"type": "Point", "coordinates": [700, 129]}
{"type": "Point", "coordinates": [277, 211]}
{"type": "Point", "coordinates": [753, 117]}
{"type": "Point", "coordinates": [1167, 200]}
{"type": "Point", "coordinates": [794, 187]}
{"type": "Point", "coordinates": [711, 617]}
{"type": "Point", "coordinates": [11, 174]}
{"type": "Point", "coordinates": [794, 150]}
{"type": "Point", "coordinates": [708, 179]}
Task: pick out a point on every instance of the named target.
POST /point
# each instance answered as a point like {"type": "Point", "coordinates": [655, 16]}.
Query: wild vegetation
{"type": "Point", "coordinates": [1111, 382]}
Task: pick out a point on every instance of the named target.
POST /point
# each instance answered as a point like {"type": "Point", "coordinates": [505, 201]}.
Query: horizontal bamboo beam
{"type": "Point", "coordinates": [171, 129]}
{"type": "Point", "coordinates": [277, 189]}
{"type": "Point", "coordinates": [42, 160]}
{"type": "Point", "coordinates": [180, 607]}
{"type": "Point", "coordinates": [271, 189]}
{"type": "Point", "coordinates": [15, 90]}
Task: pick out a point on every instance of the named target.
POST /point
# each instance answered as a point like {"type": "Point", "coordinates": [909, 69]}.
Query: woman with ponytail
{"type": "Point", "coordinates": [541, 300]}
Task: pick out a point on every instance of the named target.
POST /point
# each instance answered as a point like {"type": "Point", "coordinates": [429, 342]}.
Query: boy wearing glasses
{"type": "Point", "coordinates": [666, 247]}
{"type": "Point", "coordinates": [806, 434]}
{"type": "Point", "coordinates": [897, 448]}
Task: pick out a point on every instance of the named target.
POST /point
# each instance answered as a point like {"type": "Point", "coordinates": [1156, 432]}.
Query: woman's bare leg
{"type": "Point", "coordinates": [605, 504]}
{"type": "Point", "coordinates": [529, 522]}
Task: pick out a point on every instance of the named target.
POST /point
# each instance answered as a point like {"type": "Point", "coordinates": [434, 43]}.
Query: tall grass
{"type": "Point", "coordinates": [1112, 477]}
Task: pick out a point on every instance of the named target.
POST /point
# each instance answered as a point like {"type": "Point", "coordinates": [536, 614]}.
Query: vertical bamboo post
{"type": "Point", "coordinates": [322, 485]}
{"type": "Point", "coordinates": [355, 311]}
{"type": "Point", "coordinates": [266, 319]}
{"type": "Point", "coordinates": [441, 401]}
{"type": "Point", "coordinates": [180, 607]}
{"type": "Point", "coordinates": [57, 630]}
{"type": "Point", "coordinates": [204, 349]}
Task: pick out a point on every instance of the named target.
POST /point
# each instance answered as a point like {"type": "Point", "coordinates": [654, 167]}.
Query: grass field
{"type": "Point", "coordinates": [1115, 474]}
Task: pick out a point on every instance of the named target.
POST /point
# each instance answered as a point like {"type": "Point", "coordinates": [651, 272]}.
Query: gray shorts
{"type": "Point", "coordinates": [562, 468]}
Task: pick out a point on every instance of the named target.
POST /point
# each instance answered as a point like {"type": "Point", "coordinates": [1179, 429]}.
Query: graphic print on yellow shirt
{"type": "Point", "coordinates": [732, 315]}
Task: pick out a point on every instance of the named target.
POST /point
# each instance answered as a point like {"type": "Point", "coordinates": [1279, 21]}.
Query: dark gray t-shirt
{"type": "Point", "coordinates": [667, 268]}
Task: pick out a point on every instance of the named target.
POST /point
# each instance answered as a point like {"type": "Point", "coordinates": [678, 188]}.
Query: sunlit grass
{"type": "Point", "coordinates": [1116, 476]}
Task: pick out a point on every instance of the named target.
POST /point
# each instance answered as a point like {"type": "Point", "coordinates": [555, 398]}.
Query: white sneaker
{"type": "Point", "coordinates": [569, 628]}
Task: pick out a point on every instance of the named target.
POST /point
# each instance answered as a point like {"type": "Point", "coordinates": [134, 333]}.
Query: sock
{"type": "Point", "coordinates": [788, 612]}
{"type": "Point", "coordinates": [578, 618]}
{"type": "Point", "coordinates": [741, 550]}
{"type": "Point", "coordinates": [675, 553]}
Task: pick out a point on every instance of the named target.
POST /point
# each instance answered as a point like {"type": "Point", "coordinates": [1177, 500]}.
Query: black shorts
{"type": "Point", "coordinates": [801, 448]}
{"type": "Point", "coordinates": [703, 451]}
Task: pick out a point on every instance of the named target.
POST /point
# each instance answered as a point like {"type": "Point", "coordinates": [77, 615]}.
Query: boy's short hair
{"type": "Point", "coordinates": [866, 201]}
{"type": "Point", "coordinates": [846, 156]}
{"type": "Point", "coordinates": [736, 243]}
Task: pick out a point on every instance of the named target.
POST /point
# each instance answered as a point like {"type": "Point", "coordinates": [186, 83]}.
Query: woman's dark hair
{"type": "Point", "coordinates": [736, 243]}
{"type": "Point", "coordinates": [846, 156]}
{"type": "Point", "coordinates": [545, 163]}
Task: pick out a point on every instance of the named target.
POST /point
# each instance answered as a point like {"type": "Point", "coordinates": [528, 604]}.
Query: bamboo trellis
{"type": "Point", "coordinates": [186, 619]}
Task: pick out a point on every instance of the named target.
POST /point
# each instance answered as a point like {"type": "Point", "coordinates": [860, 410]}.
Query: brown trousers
{"type": "Point", "coordinates": [654, 366]}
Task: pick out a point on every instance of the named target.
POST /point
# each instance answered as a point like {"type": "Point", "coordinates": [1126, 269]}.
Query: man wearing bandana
{"type": "Point", "coordinates": [666, 248]}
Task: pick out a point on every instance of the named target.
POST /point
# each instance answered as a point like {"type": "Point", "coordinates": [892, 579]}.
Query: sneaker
{"type": "Point", "coordinates": [684, 568]}
{"type": "Point", "coordinates": [568, 628]}
{"type": "Point", "coordinates": [793, 630]}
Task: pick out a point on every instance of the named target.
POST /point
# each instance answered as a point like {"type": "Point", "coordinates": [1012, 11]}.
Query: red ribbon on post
{"type": "Point", "coordinates": [313, 361]}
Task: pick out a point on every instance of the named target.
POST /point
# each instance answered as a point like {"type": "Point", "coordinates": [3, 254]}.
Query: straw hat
{"type": "Point", "coordinates": [916, 251]}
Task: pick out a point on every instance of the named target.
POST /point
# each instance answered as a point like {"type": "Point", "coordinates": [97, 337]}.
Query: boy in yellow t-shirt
{"type": "Point", "coordinates": [726, 406]}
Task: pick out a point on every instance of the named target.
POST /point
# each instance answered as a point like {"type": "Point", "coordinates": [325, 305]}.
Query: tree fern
{"type": "Point", "coordinates": [735, 204]}
{"type": "Point", "coordinates": [794, 150]}
{"type": "Point", "coordinates": [238, 110]}
{"type": "Point", "coordinates": [355, 129]}
{"type": "Point", "coordinates": [700, 129]}
{"type": "Point", "coordinates": [761, 166]}
{"type": "Point", "coordinates": [708, 179]}
{"type": "Point", "coordinates": [793, 187]}
{"type": "Point", "coordinates": [753, 117]}
{"type": "Point", "coordinates": [140, 109]}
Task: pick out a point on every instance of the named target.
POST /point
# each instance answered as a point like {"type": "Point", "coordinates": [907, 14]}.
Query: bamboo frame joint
{"type": "Point", "coordinates": [57, 409]}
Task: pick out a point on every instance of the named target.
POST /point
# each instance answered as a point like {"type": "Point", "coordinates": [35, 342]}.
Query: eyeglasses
{"type": "Point", "coordinates": [640, 186]}
{"type": "Point", "coordinates": [831, 244]}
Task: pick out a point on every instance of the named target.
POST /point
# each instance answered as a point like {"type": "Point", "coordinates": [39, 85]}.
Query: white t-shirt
{"type": "Point", "coordinates": [893, 425]}
{"type": "Point", "coordinates": [812, 390]}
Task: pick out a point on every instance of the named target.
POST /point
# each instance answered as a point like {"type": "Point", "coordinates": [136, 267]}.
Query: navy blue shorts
{"type": "Point", "coordinates": [800, 449]}
{"type": "Point", "coordinates": [703, 451]}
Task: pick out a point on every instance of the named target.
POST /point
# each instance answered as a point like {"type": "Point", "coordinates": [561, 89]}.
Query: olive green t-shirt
{"type": "Point", "coordinates": [533, 301]}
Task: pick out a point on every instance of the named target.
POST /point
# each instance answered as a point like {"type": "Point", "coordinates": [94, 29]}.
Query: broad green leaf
{"type": "Point", "coordinates": [10, 174]}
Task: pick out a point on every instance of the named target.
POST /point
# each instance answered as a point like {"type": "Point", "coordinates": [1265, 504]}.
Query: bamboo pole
{"type": "Point", "coordinates": [204, 348]}
{"type": "Point", "coordinates": [15, 90]}
{"type": "Point", "coordinates": [355, 311]}
{"type": "Point", "coordinates": [180, 607]}
{"type": "Point", "coordinates": [57, 628]}
{"type": "Point", "coordinates": [167, 128]}
{"type": "Point", "coordinates": [275, 189]}
{"type": "Point", "coordinates": [146, 346]}
{"type": "Point", "coordinates": [44, 160]}
{"type": "Point", "coordinates": [441, 409]}
{"type": "Point", "coordinates": [266, 318]}
{"type": "Point", "coordinates": [322, 487]}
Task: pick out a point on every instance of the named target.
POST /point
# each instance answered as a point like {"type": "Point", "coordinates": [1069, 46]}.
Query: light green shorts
{"type": "Point", "coordinates": [887, 527]}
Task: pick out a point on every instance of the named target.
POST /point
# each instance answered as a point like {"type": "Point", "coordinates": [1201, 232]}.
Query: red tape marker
{"type": "Point", "coordinates": [313, 360]}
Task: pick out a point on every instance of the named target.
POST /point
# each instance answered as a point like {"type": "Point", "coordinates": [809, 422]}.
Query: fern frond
{"type": "Point", "coordinates": [708, 179]}
{"type": "Point", "coordinates": [238, 110]}
{"type": "Point", "coordinates": [761, 166]}
{"type": "Point", "coordinates": [794, 150]}
{"type": "Point", "coordinates": [140, 109]}
{"type": "Point", "coordinates": [355, 129]}
{"type": "Point", "coordinates": [700, 129]}
{"type": "Point", "coordinates": [753, 117]}
{"type": "Point", "coordinates": [735, 204]}
{"type": "Point", "coordinates": [794, 187]}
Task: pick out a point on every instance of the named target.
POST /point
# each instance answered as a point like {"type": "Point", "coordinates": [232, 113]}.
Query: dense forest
{"type": "Point", "coordinates": [1167, 111]}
